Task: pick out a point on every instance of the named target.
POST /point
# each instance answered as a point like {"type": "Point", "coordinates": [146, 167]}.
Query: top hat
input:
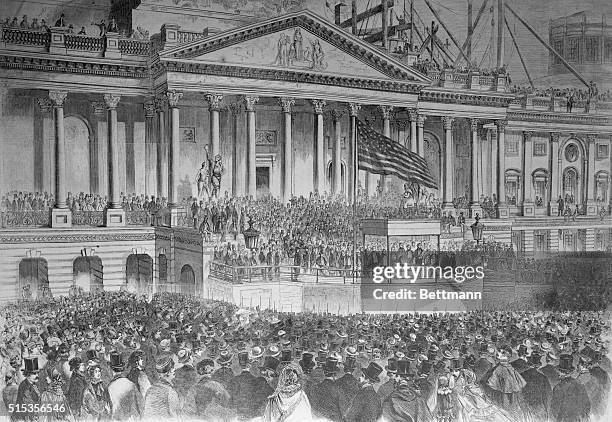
{"type": "Point", "coordinates": [286, 356]}
{"type": "Point", "coordinates": [566, 363]}
{"type": "Point", "coordinates": [30, 365]}
{"type": "Point", "coordinates": [270, 363]}
{"type": "Point", "coordinates": [403, 367]}
{"type": "Point", "coordinates": [330, 366]}
{"type": "Point", "coordinates": [424, 369]}
{"type": "Point", "coordinates": [243, 359]}
{"type": "Point", "coordinates": [391, 366]}
{"type": "Point", "coordinates": [116, 362]}
{"type": "Point", "coordinates": [535, 358]}
{"type": "Point", "coordinates": [372, 372]}
{"type": "Point", "coordinates": [306, 362]}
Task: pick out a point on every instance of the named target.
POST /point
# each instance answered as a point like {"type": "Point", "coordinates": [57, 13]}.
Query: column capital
{"type": "Point", "coordinates": [111, 101]}
{"type": "Point", "coordinates": [336, 114]}
{"type": "Point", "coordinates": [402, 123]}
{"type": "Point", "coordinates": [447, 121]}
{"type": "Point", "coordinates": [234, 108]}
{"type": "Point", "coordinates": [250, 101]}
{"type": "Point", "coordinates": [214, 101]}
{"type": "Point", "coordinates": [98, 107]}
{"type": "Point", "coordinates": [354, 109]}
{"type": "Point", "coordinates": [501, 125]}
{"type": "Point", "coordinates": [161, 101]}
{"type": "Point", "coordinates": [286, 103]}
{"type": "Point", "coordinates": [527, 134]}
{"type": "Point", "coordinates": [45, 104]}
{"type": "Point", "coordinates": [474, 124]}
{"type": "Point", "coordinates": [554, 136]}
{"type": "Point", "coordinates": [149, 108]}
{"type": "Point", "coordinates": [58, 98]}
{"type": "Point", "coordinates": [591, 137]}
{"type": "Point", "coordinates": [173, 98]}
{"type": "Point", "coordinates": [385, 111]}
{"type": "Point", "coordinates": [413, 114]}
{"type": "Point", "coordinates": [318, 105]}
{"type": "Point", "coordinates": [421, 120]}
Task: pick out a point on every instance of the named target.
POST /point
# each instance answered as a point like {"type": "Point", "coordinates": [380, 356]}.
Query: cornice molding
{"type": "Point", "coordinates": [466, 98]}
{"type": "Point", "coordinates": [74, 238]}
{"type": "Point", "coordinates": [552, 117]}
{"type": "Point", "coordinates": [120, 69]}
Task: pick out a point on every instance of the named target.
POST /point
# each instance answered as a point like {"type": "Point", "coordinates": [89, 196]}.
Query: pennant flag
{"type": "Point", "coordinates": [381, 155]}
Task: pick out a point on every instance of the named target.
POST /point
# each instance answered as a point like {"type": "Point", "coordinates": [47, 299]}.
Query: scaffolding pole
{"type": "Point", "coordinates": [450, 34]}
{"type": "Point", "coordinates": [518, 50]}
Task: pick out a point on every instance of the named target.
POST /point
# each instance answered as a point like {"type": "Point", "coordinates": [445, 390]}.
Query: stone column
{"type": "Point", "coordinates": [414, 118]}
{"type": "Point", "coordinates": [591, 205]}
{"type": "Point", "coordinates": [553, 174]}
{"type": "Point", "coordinates": [319, 175]}
{"type": "Point", "coordinates": [101, 144]}
{"type": "Point", "coordinates": [250, 102]}
{"type": "Point", "coordinates": [115, 215]}
{"type": "Point", "coordinates": [214, 102]}
{"type": "Point", "coordinates": [150, 149]}
{"type": "Point", "coordinates": [493, 161]}
{"type": "Point", "coordinates": [337, 153]}
{"type": "Point", "coordinates": [353, 171]}
{"type": "Point", "coordinates": [162, 147]}
{"type": "Point", "coordinates": [475, 203]}
{"type": "Point", "coordinates": [447, 204]}
{"type": "Point", "coordinates": [502, 208]}
{"type": "Point", "coordinates": [174, 98]}
{"type": "Point", "coordinates": [61, 216]}
{"type": "Point", "coordinates": [237, 161]}
{"type": "Point", "coordinates": [386, 115]}
{"type": "Point", "coordinates": [286, 104]}
{"type": "Point", "coordinates": [421, 136]}
{"type": "Point", "coordinates": [528, 197]}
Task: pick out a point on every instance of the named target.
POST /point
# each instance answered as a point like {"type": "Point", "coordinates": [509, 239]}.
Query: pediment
{"type": "Point", "coordinates": [300, 42]}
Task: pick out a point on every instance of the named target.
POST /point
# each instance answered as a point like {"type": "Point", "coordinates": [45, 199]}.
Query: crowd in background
{"type": "Point", "coordinates": [117, 356]}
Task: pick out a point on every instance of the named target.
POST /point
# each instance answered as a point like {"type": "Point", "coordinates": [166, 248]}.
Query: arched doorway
{"type": "Point", "coordinates": [139, 273]}
{"type": "Point", "coordinates": [33, 278]}
{"type": "Point", "coordinates": [187, 280]}
{"type": "Point", "coordinates": [88, 273]}
{"type": "Point", "coordinates": [77, 137]}
{"type": "Point", "coordinates": [571, 185]}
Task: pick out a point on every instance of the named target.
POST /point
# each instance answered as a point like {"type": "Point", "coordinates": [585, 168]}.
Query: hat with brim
{"type": "Point", "coordinates": [30, 366]}
{"type": "Point", "coordinates": [164, 364]}
{"type": "Point", "coordinates": [255, 353]}
{"type": "Point", "coordinates": [566, 363]}
{"type": "Point", "coordinates": [372, 372]}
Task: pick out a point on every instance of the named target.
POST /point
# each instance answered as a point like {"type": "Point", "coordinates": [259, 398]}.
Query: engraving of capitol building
{"type": "Point", "coordinates": [104, 106]}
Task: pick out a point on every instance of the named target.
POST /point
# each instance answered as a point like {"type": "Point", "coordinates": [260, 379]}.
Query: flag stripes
{"type": "Point", "coordinates": [380, 155]}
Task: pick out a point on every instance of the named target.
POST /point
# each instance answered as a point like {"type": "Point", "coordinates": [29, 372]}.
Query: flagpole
{"type": "Point", "coordinates": [354, 108]}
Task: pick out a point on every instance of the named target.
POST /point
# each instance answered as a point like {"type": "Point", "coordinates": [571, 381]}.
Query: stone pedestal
{"type": "Point", "coordinates": [115, 217]}
{"type": "Point", "coordinates": [61, 218]}
{"type": "Point", "coordinates": [528, 209]}
{"type": "Point", "coordinates": [503, 211]}
{"type": "Point", "coordinates": [111, 49]}
{"type": "Point", "coordinates": [175, 215]}
{"type": "Point", "coordinates": [58, 40]}
{"type": "Point", "coordinates": [475, 209]}
{"type": "Point", "coordinates": [591, 208]}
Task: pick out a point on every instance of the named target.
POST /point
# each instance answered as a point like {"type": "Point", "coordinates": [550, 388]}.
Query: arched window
{"type": "Point", "coordinates": [88, 273]}
{"type": "Point", "coordinates": [330, 172]}
{"type": "Point", "coordinates": [139, 273]}
{"type": "Point", "coordinates": [570, 185]}
{"type": "Point", "coordinates": [187, 280]}
{"type": "Point", "coordinates": [33, 278]}
{"type": "Point", "coordinates": [540, 184]}
{"type": "Point", "coordinates": [513, 181]}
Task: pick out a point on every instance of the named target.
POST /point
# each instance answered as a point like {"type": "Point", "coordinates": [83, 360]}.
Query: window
{"type": "Point", "coordinates": [570, 185]}
{"type": "Point", "coordinates": [558, 45]}
{"type": "Point", "coordinates": [572, 49]}
{"type": "Point", "coordinates": [539, 148]}
{"type": "Point", "coordinates": [608, 51]}
{"type": "Point", "coordinates": [600, 242]}
{"type": "Point", "coordinates": [601, 187]}
{"type": "Point", "coordinates": [602, 151]}
{"type": "Point", "coordinates": [540, 241]}
{"type": "Point", "coordinates": [540, 182]}
{"type": "Point", "coordinates": [512, 186]}
{"type": "Point", "coordinates": [512, 148]}
{"type": "Point", "coordinates": [592, 49]}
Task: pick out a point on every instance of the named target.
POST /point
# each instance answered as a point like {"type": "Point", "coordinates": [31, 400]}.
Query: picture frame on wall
{"type": "Point", "coordinates": [188, 134]}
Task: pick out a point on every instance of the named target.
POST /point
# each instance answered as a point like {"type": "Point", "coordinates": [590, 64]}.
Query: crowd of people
{"type": "Point", "coordinates": [587, 98]}
{"type": "Point", "coordinates": [116, 356]}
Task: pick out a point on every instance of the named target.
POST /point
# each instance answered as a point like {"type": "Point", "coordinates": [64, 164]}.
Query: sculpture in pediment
{"type": "Point", "coordinates": [291, 52]}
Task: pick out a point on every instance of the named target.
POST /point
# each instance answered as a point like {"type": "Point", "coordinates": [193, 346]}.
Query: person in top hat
{"type": "Point", "coordinates": [387, 388]}
{"type": "Point", "coordinates": [485, 362]}
{"type": "Point", "coordinates": [537, 391]}
{"type": "Point", "coordinates": [125, 400]}
{"type": "Point", "coordinates": [570, 401]}
{"type": "Point", "coordinates": [595, 390]}
{"type": "Point", "coordinates": [54, 401]}
{"type": "Point", "coordinates": [551, 368]}
{"type": "Point", "coordinates": [405, 403]}
{"type": "Point", "coordinates": [348, 384]}
{"type": "Point", "coordinates": [325, 397]}
{"type": "Point", "coordinates": [366, 405]}
{"type": "Point", "coordinates": [78, 384]}
{"type": "Point", "coordinates": [208, 393]}
{"type": "Point", "coordinates": [248, 393]}
{"type": "Point", "coordinates": [137, 372]}
{"type": "Point", "coordinates": [162, 400]}
{"type": "Point", "coordinates": [268, 370]}
{"type": "Point", "coordinates": [520, 364]}
{"type": "Point", "coordinates": [224, 374]}
{"type": "Point", "coordinates": [186, 374]}
{"type": "Point", "coordinates": [28, 393]}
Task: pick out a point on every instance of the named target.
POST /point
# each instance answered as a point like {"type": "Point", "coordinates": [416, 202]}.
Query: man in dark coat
{"type": "Point", "coordinates": [595, 390]}
{"type": "Point", "coordinates": [249, 393]}
{"type": "Point", "coordinates": [210, 395]}
{"type": "Point", "coordinates": [326, 396]}
{"type": "Point", "coordinates": [405, 403]}
{"type": "Point", "coordinates": [366, 406]}
{"type": "Point", "coordinates": [537, 391]}
{"type": "Point", "coordinates": [385, 390]}
{"type": "Point", "coordinates": [551, 371]}
{"type": "Point", "coordinates": [185, 376]}
{"type": "Point", "coordinates": [78, 384]}
{"type": "Point", "coordinates": [521, 364]}
{"type": "Point", "coordinates": [27, 393]}
{"type": "Point", "coordinates": [570, 401]}
{"type": "Point", "coordinates": [348, 384]}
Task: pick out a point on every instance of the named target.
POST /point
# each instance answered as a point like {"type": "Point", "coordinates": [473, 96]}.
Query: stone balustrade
{"type": "Point", "coordinates": [558, 104]}
{"type": "Point", "coordinates": [450, 78]}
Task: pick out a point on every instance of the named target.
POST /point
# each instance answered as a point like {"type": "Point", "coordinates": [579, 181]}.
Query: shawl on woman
{"type": "Point", "coordinates": [289, 402]}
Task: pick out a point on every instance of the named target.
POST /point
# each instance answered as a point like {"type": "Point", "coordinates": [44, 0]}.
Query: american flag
{"type": "Point", "coordinates": [381, 155]}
